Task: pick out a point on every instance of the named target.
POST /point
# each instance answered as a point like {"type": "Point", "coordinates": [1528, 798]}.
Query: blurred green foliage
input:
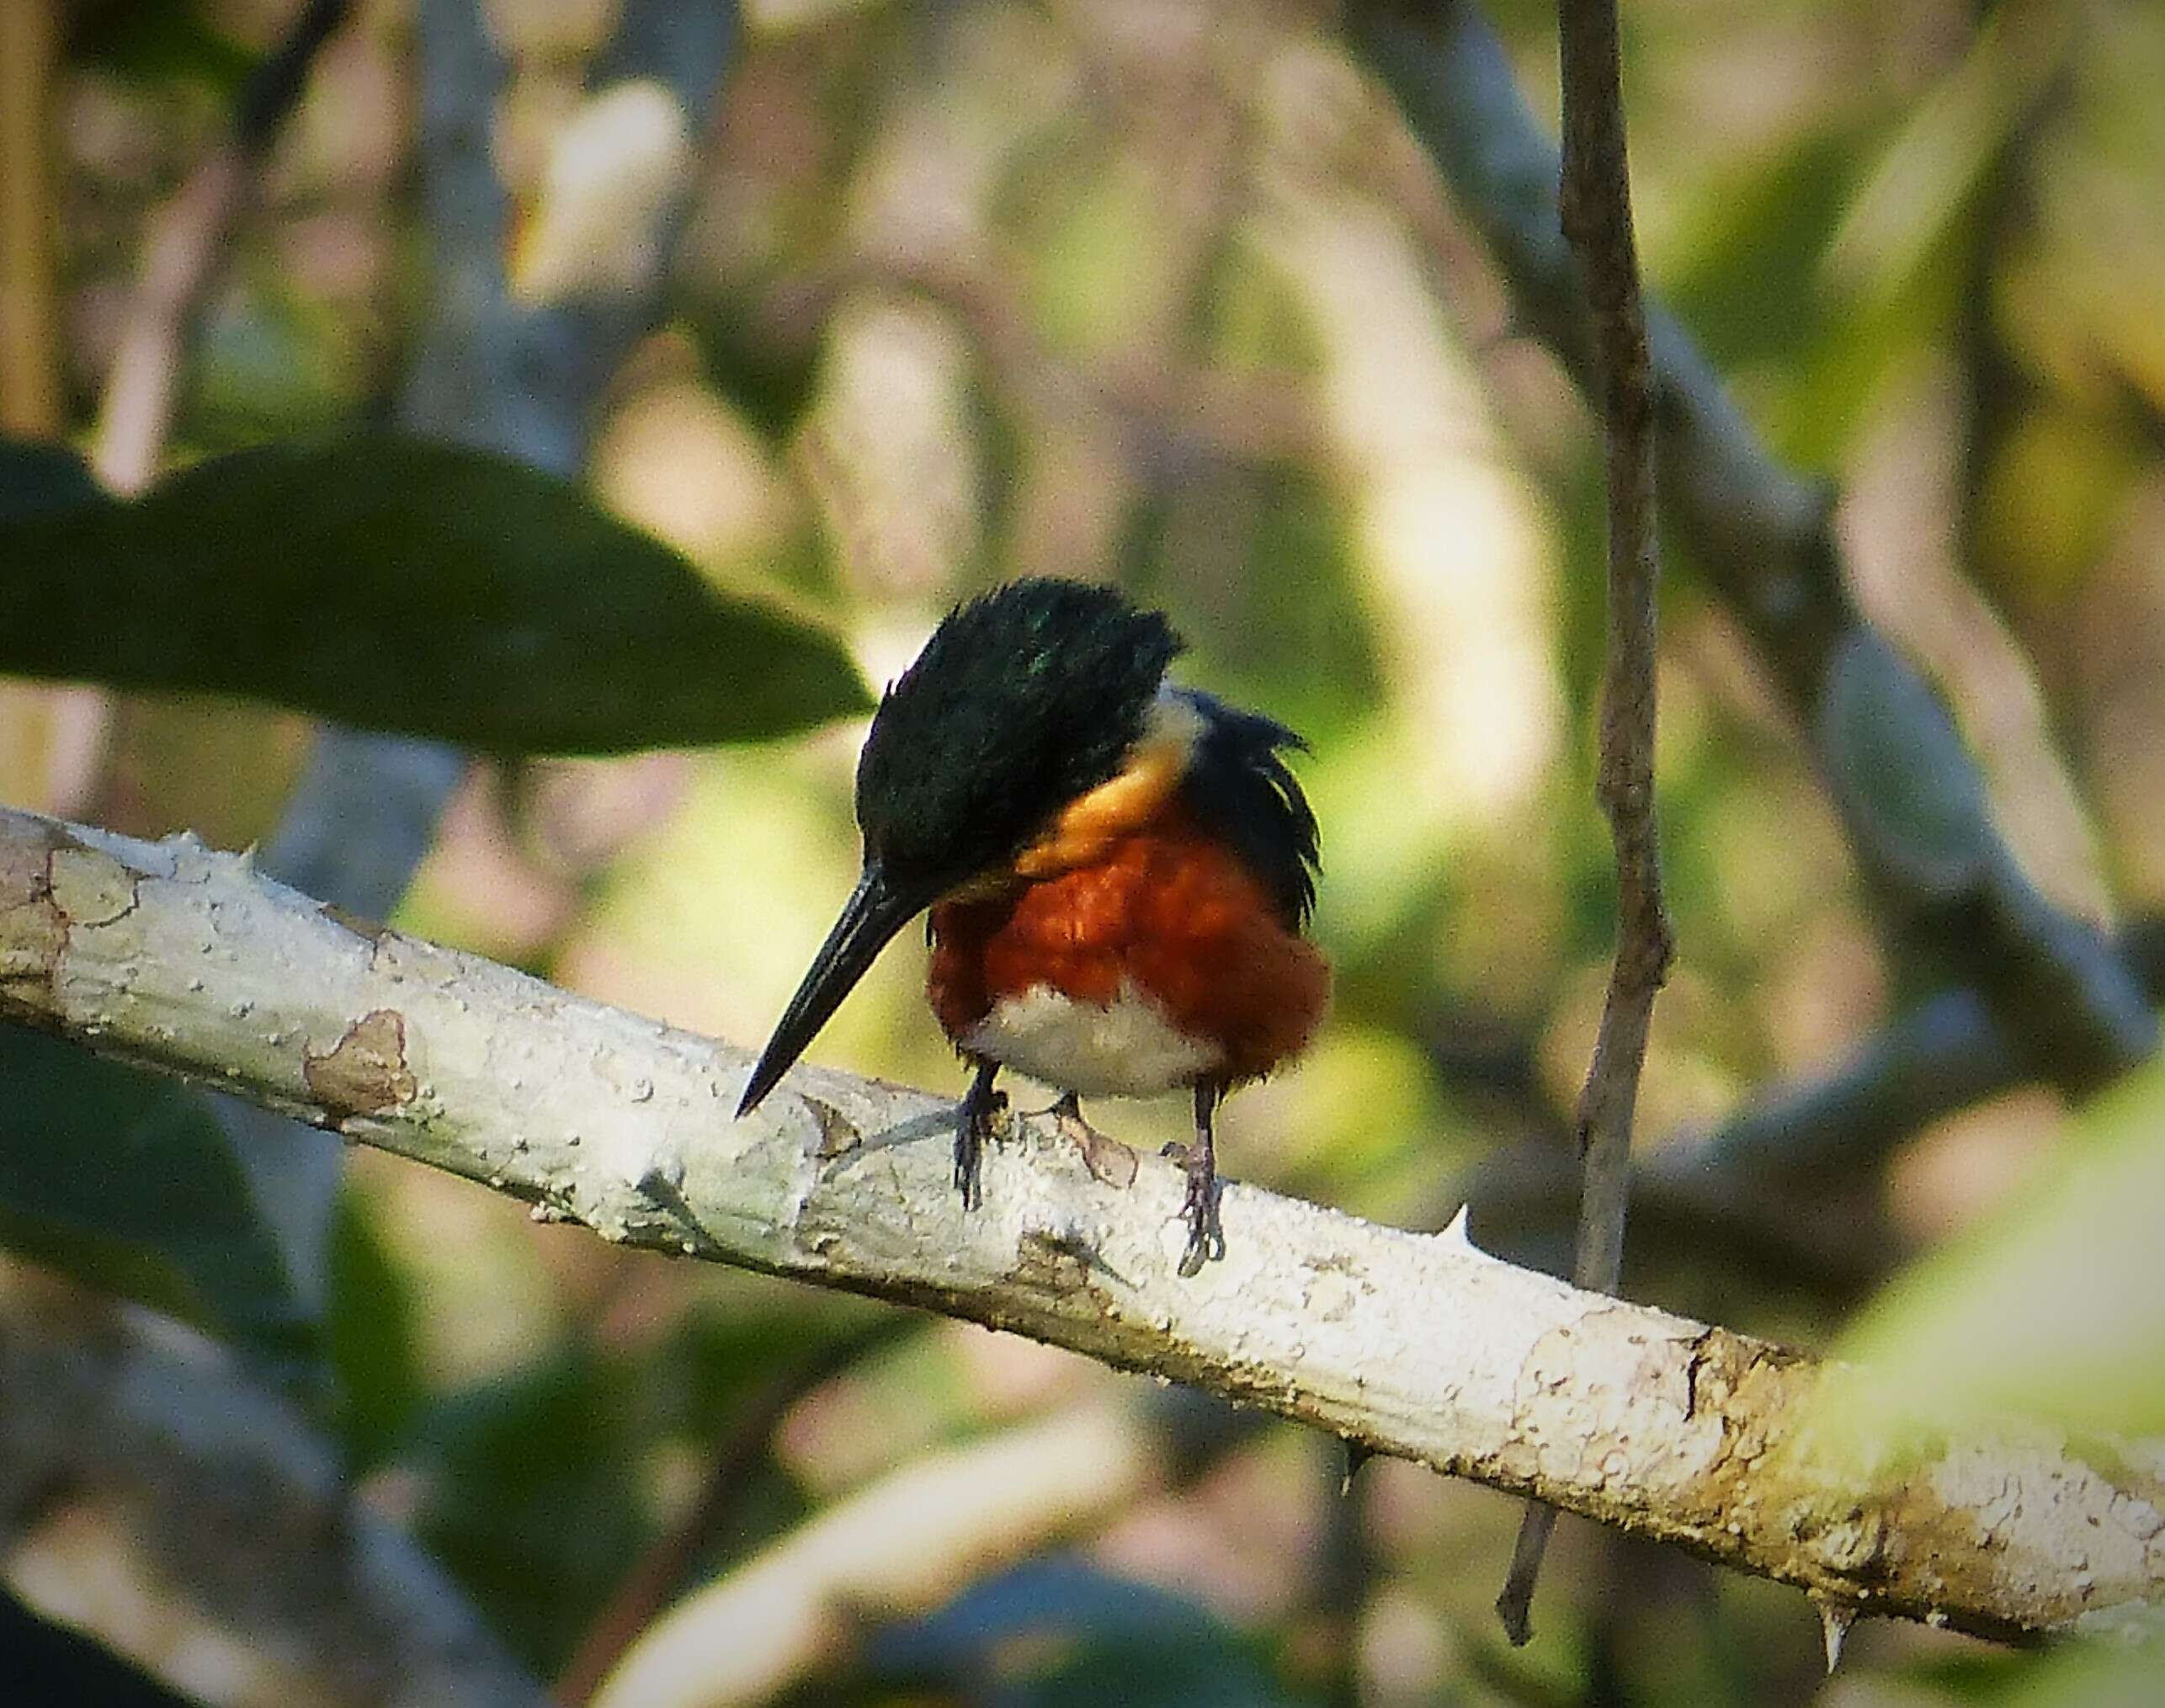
{"type": "Point", "coordinates": [1162, 293]}
{"type": "Point", "coordinates": [157, 42]}
{"type": "Point", "coordinates": [1062, 1634]}
{"type": "Point", "coordinates": [534, 1496]}
{"type": "Point", "coordinates": [378, 1380]}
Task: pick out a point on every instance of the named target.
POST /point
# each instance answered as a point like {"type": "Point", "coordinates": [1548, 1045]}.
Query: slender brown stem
{"type": "Point", "coordinates": [1595, 203]}
{"type": "Point", "coordinates": [187, 240]}
{"type": "Point", "coordinates": [1762, 534]}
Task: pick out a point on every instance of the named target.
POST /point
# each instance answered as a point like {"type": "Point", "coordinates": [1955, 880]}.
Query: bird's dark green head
{"type": "Point", "coordinates": [1022, 700]}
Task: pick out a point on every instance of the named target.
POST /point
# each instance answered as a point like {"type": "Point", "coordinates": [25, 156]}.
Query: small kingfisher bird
{"type": "Point", "coordinates": [1119, 872]}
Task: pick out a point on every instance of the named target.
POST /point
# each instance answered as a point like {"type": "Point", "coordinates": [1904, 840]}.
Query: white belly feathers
{"type": "Point", "coordinates": [1131, 1049]}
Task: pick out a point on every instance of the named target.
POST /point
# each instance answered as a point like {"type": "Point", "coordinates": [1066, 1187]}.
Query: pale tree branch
{"type": "Point", "coordinates": [1594, 207]}
{"type": "Point", "coordinates": [190, 962]}
{"type": "Point", "coordinates": [239, 1514]}
{"type": "Point", "coordinates": [792, 1608]}
{"type": "Point", "coordinates": [773, 1619]}
{"type": "Point", "coordinates": [653, 1580]}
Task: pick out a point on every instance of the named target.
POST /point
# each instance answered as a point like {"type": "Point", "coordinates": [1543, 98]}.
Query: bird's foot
{"type": "Point", "coordinates": [1068, 1116]}
{"type": "Point", "coordinates": [976, 1125]}
{"type": "Point", "coordinates": [1105, 1157]}
{"type": "Point", "coordinates": [1206, 1236]}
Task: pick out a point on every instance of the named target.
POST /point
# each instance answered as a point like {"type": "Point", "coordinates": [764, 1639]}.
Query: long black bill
{"type": "Point", "coordinates": [875, 912]}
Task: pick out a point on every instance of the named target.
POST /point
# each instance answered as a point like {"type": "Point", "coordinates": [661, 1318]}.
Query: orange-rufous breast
{"type": "Point", "coordinates": [1155, 962]}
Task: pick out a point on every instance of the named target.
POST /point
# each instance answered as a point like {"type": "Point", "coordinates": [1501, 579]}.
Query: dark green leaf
{"type": "Point", "coordinates": [533, 1498]}
{"type": "Point", "coordinates": [131, 1183]}
{"type": "Point", "coordinates": [157, 41]}
{"type": "Point", "coordinates": [369, 1336]}
{"type": "Point", "coordinates": [420, 589]}
{"type": "Point", "coordinates": [36, 476]}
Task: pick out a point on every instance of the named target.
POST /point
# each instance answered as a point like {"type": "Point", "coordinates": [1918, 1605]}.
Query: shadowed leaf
{"type": "Point", "coordinates": [35, 476]}
{"type": "Point", "coordinates": [131, 1183]}
{"type": "Point", "coordinates": [420, 589]}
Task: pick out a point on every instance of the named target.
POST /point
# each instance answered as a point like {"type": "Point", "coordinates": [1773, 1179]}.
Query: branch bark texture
{"type": "Point", "coordinates": [242, 1511]}
{"type": "Point", "coordinates": [188, 961]}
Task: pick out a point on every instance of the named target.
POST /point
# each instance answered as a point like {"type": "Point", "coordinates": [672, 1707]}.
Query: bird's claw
{"type": "Point", "coordinates": [1206, 1235]}
{"type": "Point", "coordinates": [1067, 1115]}
{"type": "Point", "coordinates": [976, 1126]}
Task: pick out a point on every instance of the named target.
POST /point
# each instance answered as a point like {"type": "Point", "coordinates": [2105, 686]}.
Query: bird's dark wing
{"type": "Point", "coordinates": [1240, 789]}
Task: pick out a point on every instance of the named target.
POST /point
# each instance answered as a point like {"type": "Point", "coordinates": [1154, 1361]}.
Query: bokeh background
{"type": "Point", "coordinates": [1164, 292]}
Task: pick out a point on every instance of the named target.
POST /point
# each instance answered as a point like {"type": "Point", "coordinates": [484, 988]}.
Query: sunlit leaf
{"type": "Point", "coordinates": [420, 588]}
{"type": "Point", "coordinates": [2056, 1309]}
{"type": "Point", "coordinates": [532, 1498]}
{"type": "Point", "coordinates": [2105, 1674]}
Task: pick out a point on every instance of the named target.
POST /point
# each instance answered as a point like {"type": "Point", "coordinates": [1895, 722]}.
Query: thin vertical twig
{"type": "Point", "coordinates": [2053, 999]}
{"type": "Point", "coordinates": [189, 240]}
{"type": "Point", "coordinates": [1595, 204]}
